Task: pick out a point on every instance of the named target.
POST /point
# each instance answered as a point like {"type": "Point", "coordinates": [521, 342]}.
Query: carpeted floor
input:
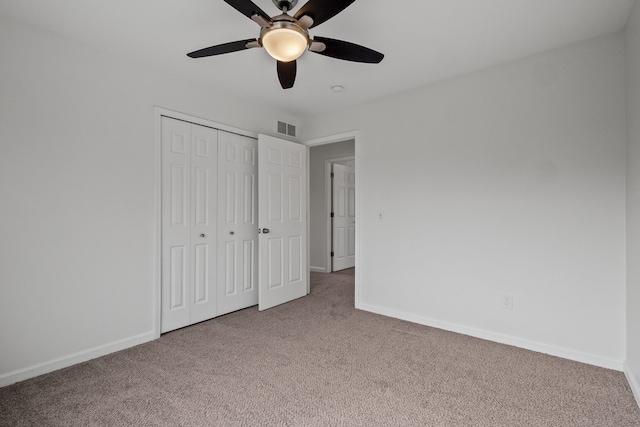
{"type": "Point", "coordinates": [317, 361]}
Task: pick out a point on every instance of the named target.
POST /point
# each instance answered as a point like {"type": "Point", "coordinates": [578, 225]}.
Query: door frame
{"type": "Point", "coordinates": [355, 135]}
{"type": "Point", "coordinates": [328, 191]}
{"type": "Point", "coordinates": [158, 113]}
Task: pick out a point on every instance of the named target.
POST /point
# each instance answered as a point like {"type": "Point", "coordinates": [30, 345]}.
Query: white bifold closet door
{"type": "Point", "coordinates": [189, 223]}
{"type": "Point", "coordinates": [237, 222]}
{"type": "Point", "coordinates": [209, 223]}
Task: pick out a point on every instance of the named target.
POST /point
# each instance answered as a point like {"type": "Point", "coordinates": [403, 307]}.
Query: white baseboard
{"type": "Point", "coordinates": [632, 378]}
{"type": "Point", "coordinates": [318, 269]}
{"type": "Point", "coordinates": [500, 338]}
{"type": "Point", "coordinates": [72, 359]}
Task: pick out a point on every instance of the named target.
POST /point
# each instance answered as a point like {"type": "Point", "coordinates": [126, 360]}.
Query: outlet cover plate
{"type": "Point", "coordinates": [506, 301]}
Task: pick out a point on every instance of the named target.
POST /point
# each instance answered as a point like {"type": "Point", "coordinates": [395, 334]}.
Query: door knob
{"type": "Point", "coordinates": [265, 231]}
{"type": "Point", "coordinates": [232, 233]}
{"type": "Point", "coordinates": [202, 235]}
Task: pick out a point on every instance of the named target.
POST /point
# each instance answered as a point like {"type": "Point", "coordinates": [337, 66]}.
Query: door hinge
{"type": "Point", "coordinates": [332, 175]}
{"type": "Point", "coordinates": [331, 214]}
{"type": "Point", "coordinates": [332, 254]}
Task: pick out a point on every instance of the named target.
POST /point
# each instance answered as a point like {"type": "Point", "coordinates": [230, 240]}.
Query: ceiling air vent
{"type": "Point", "coordinates": [286, 129]}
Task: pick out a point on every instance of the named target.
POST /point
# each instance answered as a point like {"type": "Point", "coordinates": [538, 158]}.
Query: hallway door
{"type": "Point", "coordinates": [343, 217]}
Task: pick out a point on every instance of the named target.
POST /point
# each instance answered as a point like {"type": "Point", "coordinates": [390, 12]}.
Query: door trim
{"type": "Point", "coordinates": [355, 135]}
{"type": "Point", "coordinates": [158, 113]}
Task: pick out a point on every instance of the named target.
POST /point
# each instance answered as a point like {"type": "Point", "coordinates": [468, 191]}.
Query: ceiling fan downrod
{"type": "Point", "coordinates": [285, 5]}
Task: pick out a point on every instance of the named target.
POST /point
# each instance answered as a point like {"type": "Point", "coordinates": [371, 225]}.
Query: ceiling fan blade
{"type": "Point", "coordinates": [287, 74]}
{"type": "Point", "coordinates": [221, 48]}
{"type": "Point", "coordinates": [248, 8]}
{"type": "Point", "coordinates": [322, 10]}
{"type": "Point", "coordinates": [348, 51]}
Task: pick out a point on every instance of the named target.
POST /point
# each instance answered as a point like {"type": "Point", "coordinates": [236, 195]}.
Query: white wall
{"type": "Point", "coordinates": [78, 219]}
{"type": "Point", "coordinates": [510, 180]}
{"type": "Point", "coordinates": [318, 197]}
{"type": "Point", "coordinates": [633, 200]}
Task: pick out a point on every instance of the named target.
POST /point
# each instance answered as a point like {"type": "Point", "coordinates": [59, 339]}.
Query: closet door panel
{"type": "Point", "coordinates": [176, 224]}
{"type": "Point", "coordinates": [204, 213]}
{"type": "Point", "coordinates": [237, 226]}
{"type": "Point", "coordinates": [189, 223]}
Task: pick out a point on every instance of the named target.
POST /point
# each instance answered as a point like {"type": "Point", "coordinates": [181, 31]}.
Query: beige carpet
{"type": "Point", "coordinates": [319, 362]}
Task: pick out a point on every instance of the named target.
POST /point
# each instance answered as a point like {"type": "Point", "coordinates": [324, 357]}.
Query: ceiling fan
{"type": "Point", "coordinates": [286, 37]}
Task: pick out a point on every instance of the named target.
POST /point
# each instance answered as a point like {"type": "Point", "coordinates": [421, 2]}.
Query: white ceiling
{"type": "Point", "coordinates": [423, 41]}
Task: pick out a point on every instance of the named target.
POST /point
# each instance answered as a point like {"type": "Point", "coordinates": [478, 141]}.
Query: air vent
{"type": "Point", "coordinates": [286, 129]}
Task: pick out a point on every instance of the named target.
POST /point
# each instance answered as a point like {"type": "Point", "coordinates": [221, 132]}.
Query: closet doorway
{"type": "Point", "coordinates": [229, 237]}
{"type": "Point", "coordinates": [209, 223]}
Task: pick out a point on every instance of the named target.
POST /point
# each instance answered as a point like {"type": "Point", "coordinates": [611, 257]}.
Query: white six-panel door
{"type": "Point", "coordinates": [344, 217]}
{"type": "Point", "coordinates": [189, 185]}
{"type": "Point", "coordinates": [237, 222]}
{"type": "Point", "coordinates": [282, 194]}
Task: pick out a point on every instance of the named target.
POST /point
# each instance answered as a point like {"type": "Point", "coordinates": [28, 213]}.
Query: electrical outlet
{"type": "Point", "coordinates": [506, 301]}
{"type": "Point", "coordinates": [380, 216]}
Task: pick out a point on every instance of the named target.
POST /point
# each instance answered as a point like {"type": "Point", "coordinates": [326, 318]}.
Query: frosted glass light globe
{"type": "Point", "coordinates": [284, 44]}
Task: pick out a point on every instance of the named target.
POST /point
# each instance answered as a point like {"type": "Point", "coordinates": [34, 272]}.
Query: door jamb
{"type": "Point", "coordinates": [158, 113]}
{"type": "Point", "coordinates": [355, 135]}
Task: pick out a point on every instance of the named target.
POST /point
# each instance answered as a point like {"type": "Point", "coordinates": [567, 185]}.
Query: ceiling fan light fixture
{"type": "Point", "coordinates": [286, 37]}
{"type": "Point", "coordinates": [285, 43]}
